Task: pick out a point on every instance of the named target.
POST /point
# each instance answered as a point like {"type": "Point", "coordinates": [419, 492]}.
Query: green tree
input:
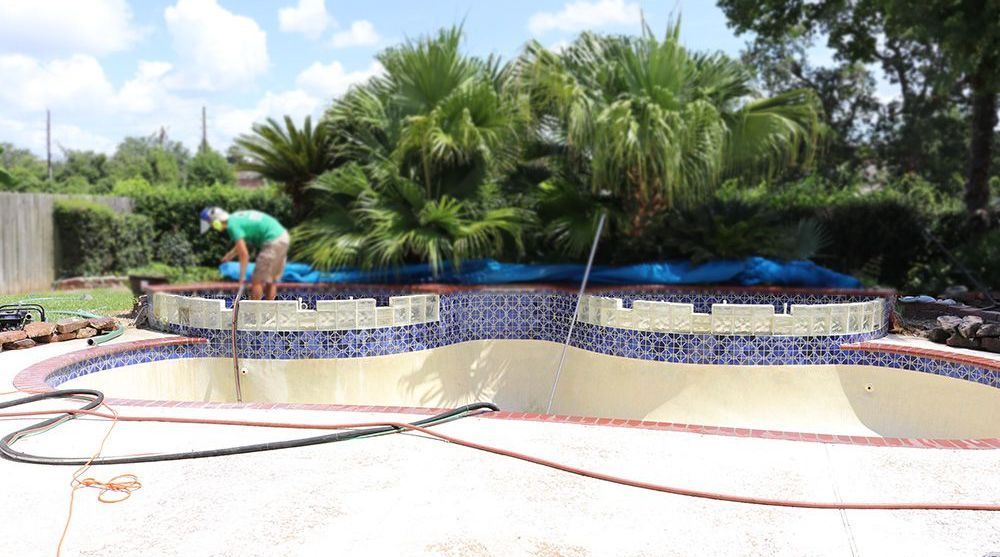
{"type": "Point", "coordinates": [656, 125]}
{"type": "Point", "coordinates": [6, 179]}
{"type": "Point", "coordinates": [208, 167]}
{"type": "Point", "coordinates": [425, 145]}
{"type": "Point", "coordinates": [967, 34]}
{"type": "Point", "coordinates": [156, 159]}
{"type": "Point", "coordinates": [288, 155]}
{"type": "Point", "coordinates": [940, 53]}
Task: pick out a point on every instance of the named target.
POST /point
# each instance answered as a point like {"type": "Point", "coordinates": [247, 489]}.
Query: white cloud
{"type": "Point", "coordinates": [217, 48]}
{"type": "Point", "coordinates": [74, 82]}
{"type": "Point", "coordinates": [361, 33]}
{"type": "Point", "coordinates": [309, 17]}
{"type": "Point", "coordinates": [332, 80]}
{"type": "Point", "coordinates": [579, 15]}
{"type": "Point", "coordinates": [147, 90]}
{"type": "Point", "coordinates": [62, 27]}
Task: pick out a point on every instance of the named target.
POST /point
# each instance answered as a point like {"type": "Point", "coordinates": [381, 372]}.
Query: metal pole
{"type": "Point", "coordinates": [576, 310]}
{"type": "Point", "coordinates": [48, 141]}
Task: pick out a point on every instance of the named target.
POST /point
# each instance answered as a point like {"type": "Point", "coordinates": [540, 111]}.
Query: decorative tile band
{"type": "Point", "coordinates": [735, 319]}
{"type": "Point", "coordinates": [290, 315]}
{"type": "Point", "coordinates": [534, 314]}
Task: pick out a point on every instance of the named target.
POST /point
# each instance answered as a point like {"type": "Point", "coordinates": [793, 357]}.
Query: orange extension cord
{"type": "Point", "coordinates": [537, 460]}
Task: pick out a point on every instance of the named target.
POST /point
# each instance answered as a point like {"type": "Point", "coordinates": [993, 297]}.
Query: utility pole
{"type": "Point", "coordinates": [204, 130]}
{"type": "Point", "coordinates": [48, 141]}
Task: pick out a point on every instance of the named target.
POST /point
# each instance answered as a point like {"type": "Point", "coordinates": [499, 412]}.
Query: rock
{"type": "Point", "coordinates": [47, 339]}
{"type": "Point", "coordinates": [103, 323]}
{"type": "Point", "coordinates": [61, 337]}
{"type": "Point", "coordinates": [12, 336]}
{"type": "Point", "coordinates": [23, 343]}
{"type": "Point", "coordinates": [991, 343]}
{"type": "Point", "coordinates": [958, 341]}
{"type": "Point", "coordinates": [949, 323]}
{"type": "Point", "coordinates": [86, 332]}
{"type": "Point", "coordinates": [991, 330]}
{"type": "Point", "coordinates": [39, 329]}
{"type": "Point", "coordinates": [937, 335]}
{"type": "Point", "coordinates": [70, 325]}
{"type": "Point", "coordinates": [969, 325]}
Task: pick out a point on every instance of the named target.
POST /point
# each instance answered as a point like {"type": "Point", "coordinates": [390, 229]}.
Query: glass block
{"type": "Point", "coordinates": [433, 308]}
{"type": "Point", "coordinates": [288, 316]}
{"type": "Point", "coordinates": [346, 312]}
{"type": "Point", "coordinates": [305, 319]}
{"type": "Point", "coordinates": [821, 320]}
{"type": "Point", "coordinates": [267, 316]}
{"type": "Point", "coordinates": [855, 318]}
{"type": "Point", "coordinates": [400, 310]}
{"type": "Point", "coordinates": [326, 318]}
{"type": "Point", "coordinates": [659, 316]}
{"type": "Point", "coordinates": [417, 309]}
{"type": "Point", "coordinates": [682, 319]}
{"type": "Point", "coordinates": [247, 317]}
{"type": "Point", "coordinates": [701, 322]}
{"type": "Point", "coordinates": [583, 312]}
{"type": "Point", "coordinates": [225, 320]}
{"type": "Point", "coordinates": [366, 313]}
{"type": "Point", "coordinates": [782, 324]}
{"type": "Point", "coordinates": [624, 319]}
{"type": "Point", "coordinates": [838, 319]}
{"type": "Point", "coordinates": [383, 317]}
{"type": "Point", "coordinates": [642, 315]}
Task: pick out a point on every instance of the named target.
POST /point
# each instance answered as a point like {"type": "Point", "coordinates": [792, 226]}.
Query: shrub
{"type": "Point", "coordinates": [174, 249]}
{"type": "Point", "coordinates": [178, 275]}
{"type": "Point", "coordinates": [95, 240]}
{"type": "Point", "coordinates": [175, 211]}
{"type": "Point", "coordinates": [207, 168]}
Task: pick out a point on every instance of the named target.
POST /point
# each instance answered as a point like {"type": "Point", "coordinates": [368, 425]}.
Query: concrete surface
{"type": "Point", "coordinates": [407, 495]}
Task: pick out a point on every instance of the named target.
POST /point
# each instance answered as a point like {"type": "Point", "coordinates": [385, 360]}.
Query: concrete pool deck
{"type": "Point", "coordinates": [404, 494]}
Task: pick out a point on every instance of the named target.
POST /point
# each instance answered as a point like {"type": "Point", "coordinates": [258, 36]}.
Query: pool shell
{"type": "Point", "coordinates": [44, 375]}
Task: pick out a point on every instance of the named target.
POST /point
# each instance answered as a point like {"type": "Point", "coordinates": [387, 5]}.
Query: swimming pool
{"type": "Point", "coordinates": [732, 358]}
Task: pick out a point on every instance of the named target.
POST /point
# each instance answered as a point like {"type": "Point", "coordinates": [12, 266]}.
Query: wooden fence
{"type": "Point", "coordinates": [28, 243]}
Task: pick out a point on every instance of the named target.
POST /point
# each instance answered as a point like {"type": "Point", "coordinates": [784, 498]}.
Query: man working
{"type": "Point", "coordinates": [259, 230]}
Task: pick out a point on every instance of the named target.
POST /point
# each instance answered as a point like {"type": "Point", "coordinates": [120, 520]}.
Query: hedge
{"type": "Point", "coordinates": [174, 213]}
{"type": "Point", "coordinates": [95, 240]}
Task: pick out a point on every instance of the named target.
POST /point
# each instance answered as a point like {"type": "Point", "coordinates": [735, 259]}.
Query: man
{"type": "Point", "coordinates": [258, 230]}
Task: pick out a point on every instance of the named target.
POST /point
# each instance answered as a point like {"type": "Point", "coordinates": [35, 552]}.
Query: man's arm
{"type": "Point", "coordinates": [244, 255]}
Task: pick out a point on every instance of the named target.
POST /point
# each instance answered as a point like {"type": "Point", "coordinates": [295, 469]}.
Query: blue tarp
{"type": "Point", "coordinates": [749, 271]}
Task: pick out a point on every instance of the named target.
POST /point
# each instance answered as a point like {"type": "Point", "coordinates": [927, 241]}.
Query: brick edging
{"type": "Point", "coordinates": [441, 288]}
{"type": "Point", "coordinates": [33, 378]}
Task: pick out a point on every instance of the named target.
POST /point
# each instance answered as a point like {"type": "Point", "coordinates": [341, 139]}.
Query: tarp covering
{"type": "Point", "coordinates": [748, 272]}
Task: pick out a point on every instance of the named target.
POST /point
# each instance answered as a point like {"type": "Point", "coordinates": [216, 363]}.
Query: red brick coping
{"type": "Point", "coordinates": [437, 288]}
{"type": "Point", "coordinates": [33, 378]}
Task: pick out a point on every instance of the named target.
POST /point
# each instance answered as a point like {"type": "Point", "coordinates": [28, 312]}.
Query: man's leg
{"type": "Point", "coordinates": [272, 290]}
{"type": "Point", "coordinates": [256, 290]}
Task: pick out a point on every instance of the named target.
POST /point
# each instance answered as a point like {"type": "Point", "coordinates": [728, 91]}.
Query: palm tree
{"type": "Point", "coordinates": [657, 126]}
{"type": "Point", "coordinates": [425, 143]}
{"type": "Point", "coordinates": [288, 155]}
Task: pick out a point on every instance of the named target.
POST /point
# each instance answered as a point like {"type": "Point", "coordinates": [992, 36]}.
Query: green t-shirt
{"type": "Point", "coordinates": [254, 227]}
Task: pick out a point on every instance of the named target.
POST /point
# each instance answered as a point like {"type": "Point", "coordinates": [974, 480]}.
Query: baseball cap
{"type": "Point", "coordinates": [210, 215]}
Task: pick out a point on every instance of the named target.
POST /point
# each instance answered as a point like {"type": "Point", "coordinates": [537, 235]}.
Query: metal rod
{"type": "Point", "coordinates": [236, 357]}
{"type": "Point", "coordinates": [576, 310]}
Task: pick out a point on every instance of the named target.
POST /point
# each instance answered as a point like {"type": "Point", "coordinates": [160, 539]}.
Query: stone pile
{"type": "Point", "coordinates": [44, 332]}
{"type": "Point", "coordinates": [966, 332]}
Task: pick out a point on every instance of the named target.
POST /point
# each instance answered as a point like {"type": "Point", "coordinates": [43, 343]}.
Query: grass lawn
{"type": "Point", "coordinates": [101, 301]}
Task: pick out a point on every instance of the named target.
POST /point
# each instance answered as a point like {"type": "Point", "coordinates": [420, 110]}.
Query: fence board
{"type": "Point", "coordinates": [27, 238]}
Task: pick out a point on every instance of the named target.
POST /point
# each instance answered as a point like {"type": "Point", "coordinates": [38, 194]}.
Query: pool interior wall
{"type": "Point", "coordinates": [860, 400]}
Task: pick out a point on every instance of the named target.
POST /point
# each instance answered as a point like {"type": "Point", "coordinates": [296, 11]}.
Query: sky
{"type": "Point", "coordinates": [108, 69]}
